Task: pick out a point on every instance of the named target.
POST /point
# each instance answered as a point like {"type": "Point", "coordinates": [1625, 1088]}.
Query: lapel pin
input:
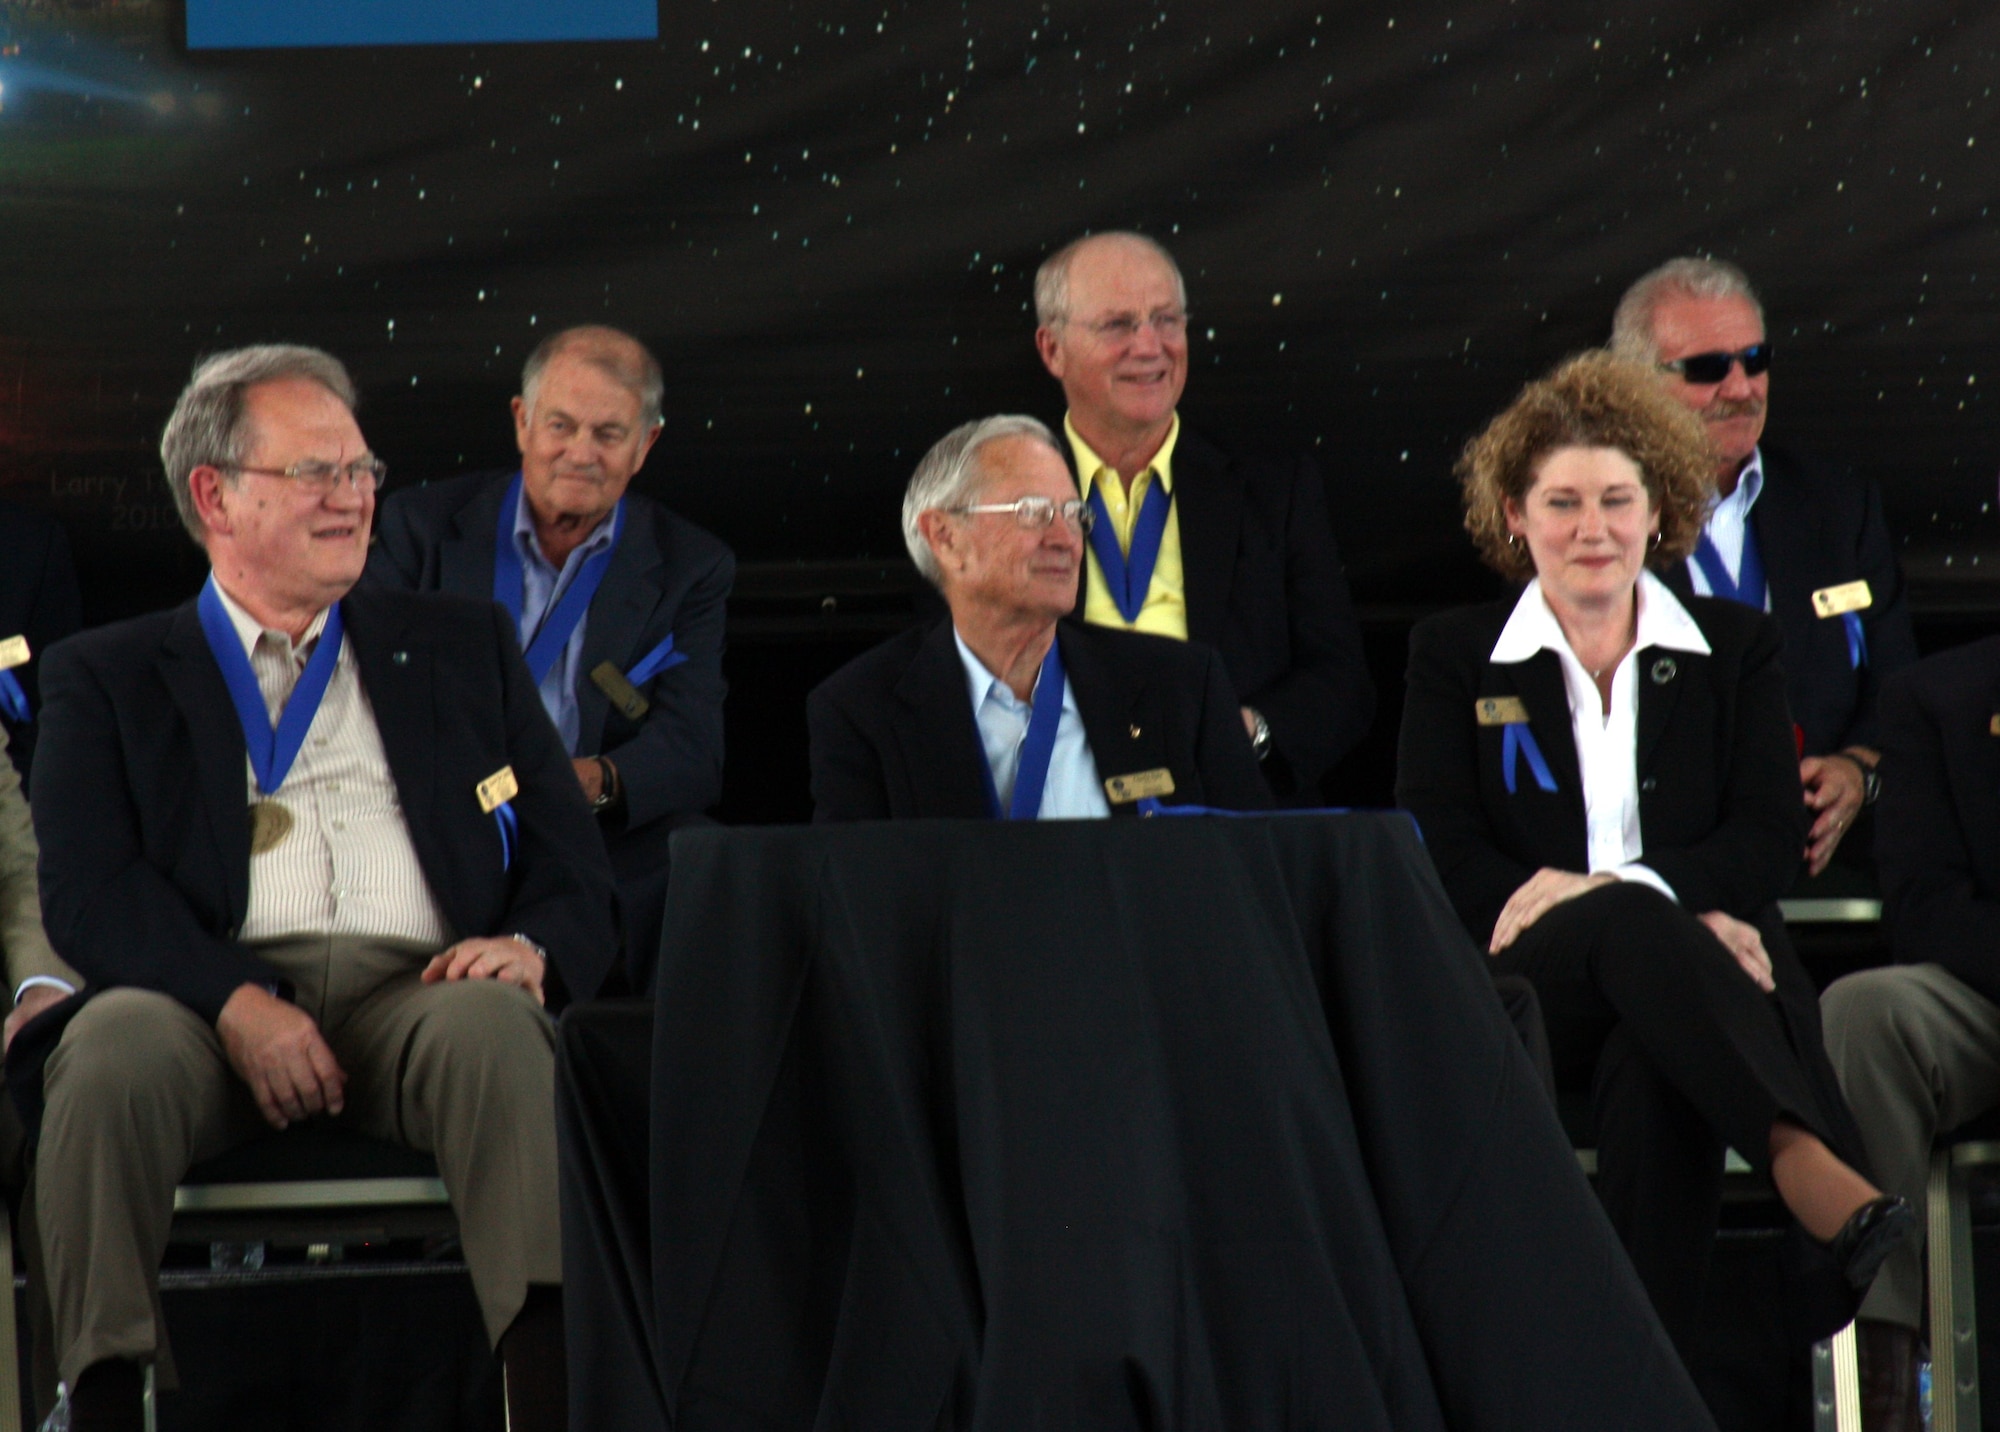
{"type": "Point", "coordinates": [1993, 726]}
{"type": "Point", "coordinates": [1664, 671]}
{"type": "Point", "coordinates": [399, 658]}
{"type": "Point", "coordinates": [1135, 733]}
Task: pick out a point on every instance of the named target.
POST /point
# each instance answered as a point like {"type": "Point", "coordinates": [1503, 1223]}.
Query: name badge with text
{"type": "Point", "coordinates": [1500, 711]}
{"type": "Point", "coordinates": [497, 789]}
{"type": "Point", "coordinates": [624, 695]}
{"type": "Point", "coordinates": [13, 653]}
{"type": "Point", "coordinates": [1845, 598]}
{"type": "Point", "coordinates": [1123, 790]}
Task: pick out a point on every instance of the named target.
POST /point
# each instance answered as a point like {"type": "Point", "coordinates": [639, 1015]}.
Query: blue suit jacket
{"type": "Point", "coordinates": [667, 577]}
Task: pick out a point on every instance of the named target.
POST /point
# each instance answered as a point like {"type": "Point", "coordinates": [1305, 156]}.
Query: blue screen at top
{"type": "Point", "coordinates": [261, 24]}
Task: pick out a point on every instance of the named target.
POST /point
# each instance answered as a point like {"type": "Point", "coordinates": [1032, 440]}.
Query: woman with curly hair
{"type": "Point", "coordinates": [1606, 780]}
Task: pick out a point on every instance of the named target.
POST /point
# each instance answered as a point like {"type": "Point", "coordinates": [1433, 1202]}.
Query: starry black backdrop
{"type": "Point", "coordinates": [824, 217]}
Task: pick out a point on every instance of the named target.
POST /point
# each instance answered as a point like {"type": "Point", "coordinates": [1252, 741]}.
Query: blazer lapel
{"type": "Point", "coordinates": [221, 760]}
{"type": "Point", "coordinates": [1208, 507]}
{"type": "Point", "coordinates": [614, 624]}
{"type": "Point", "coordinates": [1662, 676]}
{"type": "Point", "coordinates": [943, 753]}
{"type": "Point", "coordinates": [1119, 720]}
{"type": "Point", "coordinates": [465, 558]}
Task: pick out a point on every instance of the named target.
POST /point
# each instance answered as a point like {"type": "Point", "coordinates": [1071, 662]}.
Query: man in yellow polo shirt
{"type": "Point", "coordinates": [1191, 542]}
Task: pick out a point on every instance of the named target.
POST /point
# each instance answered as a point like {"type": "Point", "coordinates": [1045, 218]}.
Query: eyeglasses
{"type": "Point", "coordinates": [1037, 513]}
{"type": "Point", "coordinates": [1167, 323]}
{"type": "Point", "coordinates": [365, 474]}
{"type": "Point", "coordinates": [1714, 367]}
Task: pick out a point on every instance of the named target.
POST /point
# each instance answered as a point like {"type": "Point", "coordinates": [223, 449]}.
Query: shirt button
{"type": "Point", "coordinates": [321, 741]}
{"type": "Point", "coordinates": [340, 825]}
{"type": "Point", "coordinates": [333, 785]}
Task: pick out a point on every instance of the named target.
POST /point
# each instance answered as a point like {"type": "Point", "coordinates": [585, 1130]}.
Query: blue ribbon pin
{"type": "Point", "coordinates": [661, 658]}
{"type": "Point", "coordinates": [14, 699]}
{"type": "Point", "coordinates": [1516, 740]}
{"type": "Point", "coordinates": [1857, 640]}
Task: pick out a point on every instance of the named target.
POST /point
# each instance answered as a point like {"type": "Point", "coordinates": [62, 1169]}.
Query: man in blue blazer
{"type": "Point", "coordinates": [317, 853]}
{"type": "Point", "coordinates": [1233, 551]}
{"type": "Point", "coordinates": [618, 603]}
{"type": "Point", "coordinates": [1789, 534]}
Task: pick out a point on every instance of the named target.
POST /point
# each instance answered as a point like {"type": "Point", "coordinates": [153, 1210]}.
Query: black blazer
{"type": "Point", "coordinates": [39, 599]}
{"type": "Point", "coordinates": [1720, 813]}
{"type": "Point", "coordinates": [667, 577]}
{"type": "Point", "coordinates": [1821, 526]}
{"type": "Point", "coordinates": [1265, 588]}
{"type": "Point", "coordinates": [1937, 825]}
{"type": "Point", "coordinates": [139, 797]}
{"type": "Point", "coordinates": [893, 734]}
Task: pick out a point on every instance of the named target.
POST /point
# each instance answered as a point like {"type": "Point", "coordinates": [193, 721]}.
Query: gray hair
{"type": "Point", "coordinates": [1632, 324]}
{"type": "Point", "coordinates": [616, 354]}
{"type": "Point", "coordinates": [209, 426]}
{"type": "Point", "coordinates": [949, 476]}
{"type": "Point", "coordinates": [1052, 278]}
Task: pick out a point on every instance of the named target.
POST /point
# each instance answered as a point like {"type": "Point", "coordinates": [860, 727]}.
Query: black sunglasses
{"type": "Point", "coordinates": [1714, 367]}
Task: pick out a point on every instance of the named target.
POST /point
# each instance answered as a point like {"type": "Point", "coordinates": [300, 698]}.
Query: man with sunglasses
{"type": "Point", "coordinates": [318, 854]}
{"type": "Point", "coordinates": [1192, 542]}
{"type": "Point", "coordinates": [1005, 709]}
{"type": "Point", "coordinates": [1788, 533]}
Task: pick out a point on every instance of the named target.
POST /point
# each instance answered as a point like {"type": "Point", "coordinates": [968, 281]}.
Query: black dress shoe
{"type": "Point", "coordinates": [1872, 1232]}
{"type": "Point", "coordinates": [1889, 1354]}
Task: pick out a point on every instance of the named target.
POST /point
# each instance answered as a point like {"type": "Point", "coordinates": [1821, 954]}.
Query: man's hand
{"type": "Point", "coordinates": [506, 960]}
{"type": "Point", "coordinates": [589, 775]}
{"type": "Point", "coordinates": [1744, 944]}
{"type": "Point", "coordinates": [279, 1052]}
{"type": "Point", "coordinates": [1249, 723]}
{"type": "Point", "coordinates": [1540, 893]}
{"type": "Point", "coordinates": [34, 999]}
{"type": "Point", "coordinates": [1833, 789]}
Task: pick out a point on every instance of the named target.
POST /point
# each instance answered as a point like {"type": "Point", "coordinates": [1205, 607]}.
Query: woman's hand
{"type": "Point", "coordinates": [1542, 892]}
{"type": "Point", "coordinates": [1745, 946]}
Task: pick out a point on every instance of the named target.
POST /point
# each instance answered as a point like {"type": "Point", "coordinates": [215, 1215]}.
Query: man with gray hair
{"type": "Point", "coordinates": [317, 852]}
{"type": "Point", "coordinates": [1005, 710]}
{"type": "Point", "coordinates": [618, 603]}
{"type": "Point", "coordinates": [1788, 534]}
{"type": "Point", "coordinates": [1232, 550]}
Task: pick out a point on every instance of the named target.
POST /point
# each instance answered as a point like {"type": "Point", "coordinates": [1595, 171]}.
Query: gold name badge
{"type": "Point", "coordinates": [497, 789]}
{"type": "Point", "coordinates": [1847, 597]}
{"type": "Point", "coordinates": [624, 695]}
{"type": "Point", "coordinates": [1123, 790]}
{"type": "Point", "coordinates": [13, 652]}
{"type": "Point", "coordinates": [1500, 711]}
{"type": "Point", "coordinates": [1993, 726]}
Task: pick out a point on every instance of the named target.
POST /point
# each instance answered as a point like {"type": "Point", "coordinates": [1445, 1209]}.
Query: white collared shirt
{"type": "Point", "coordinates": [1606, 744]}
{"type": "Point", "coordinates": [1072, 791]}
{"type": "Point", "coordinates": [1728, 521]}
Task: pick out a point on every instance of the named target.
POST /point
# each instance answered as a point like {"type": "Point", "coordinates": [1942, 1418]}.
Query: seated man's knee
{"type": "Point", "coordinates": [1871, 1008]}
{"type": "Point", "coordinates": [125, 1046]}
{"type": "Point", "coordinates": [471, 1020]}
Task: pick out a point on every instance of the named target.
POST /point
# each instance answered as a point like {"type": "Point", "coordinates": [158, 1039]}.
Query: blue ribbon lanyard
{"type": "Point", "coordinates": [14, 699]}
{"type": "Point", "coordinates": [1036, 747]}
{"type": "Point", "coordinates": [661, 658]}
{"type": "Point", "coordinates": [272, 749]}
{"type": "Point", "coordinates": [1748, 585]}
{"type": "Point", "coordinates": [510, 581]}
{"type": "Point", "coordinates": [1857, 640]}
{"type": "Point", "coordinates": [1129, 579]}
{"type": "Point", "coordinates": [1516, 741]}
{"type": "Point", "coordinates": [510, 832]}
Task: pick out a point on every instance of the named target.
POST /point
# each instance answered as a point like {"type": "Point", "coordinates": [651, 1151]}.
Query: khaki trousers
{"type": "Point", "coordinates": [1918, 1053]}
{"type": "Point", "coordinates": [138, 1089]}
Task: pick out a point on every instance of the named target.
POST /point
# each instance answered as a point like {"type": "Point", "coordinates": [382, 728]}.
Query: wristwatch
{"type": "Point", "coordinates": [1260, 742]}
{"type": "Point", "coordinates": [608, 789]}
{"type": "Point", "coordinates": [520, 938]}
{"type": "Point", "coordinates": [1871, 779]}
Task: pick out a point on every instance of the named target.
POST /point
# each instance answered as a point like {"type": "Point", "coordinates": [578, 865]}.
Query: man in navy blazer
{"type": "Point", "coordinates": [630, 667]}
{"type": "Point", "coordinates": [1005, 708]}
{"type": "Point", "coordinates": [1191, 542]}
{"type": "Point", "coordinates": [1917, 1044]}
{"type": "Point", "coordinates": [317, 853]}
{"type": "Point", "coordinates": [40, 604]}
{"type": "Point", "coordinates": [1798, 537]}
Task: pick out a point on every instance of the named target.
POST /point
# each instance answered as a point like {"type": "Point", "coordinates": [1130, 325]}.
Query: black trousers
{"type": "Point", "coordinates": [1683, 1055]}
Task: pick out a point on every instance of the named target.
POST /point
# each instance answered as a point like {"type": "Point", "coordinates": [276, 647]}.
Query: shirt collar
{"type": "Point", "coordinates": [1663, 622]}
{"type": "Point", "coordinates": [531, 549]}
{"type": "Point", "coordinates": [1749, 484]}
{"type": "Point", "coordinates": [981, 683]}
{"type": "Point", "coordinates": [1089, 464]}
{"type": "Point", "coordinates": [249, 629]}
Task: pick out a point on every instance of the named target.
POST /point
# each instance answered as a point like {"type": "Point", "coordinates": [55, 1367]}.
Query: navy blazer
{"type": "Point", "coordinates": [139, 797]}
{"type": "Point", "coordinates": [1937, 824]}
{"type": "Point", "coordinates": [1720, 813]}
{"type": "Point", "coordinates": [667, 577]}
{"type": "Point", "coordinates": [1266, 589]}
{"type": "Point", "coordinates": [893, 735]}
{"type": "Point", "coordinates": [39, 599]}
{"type": "Point", "coordinates": [1821, 526]}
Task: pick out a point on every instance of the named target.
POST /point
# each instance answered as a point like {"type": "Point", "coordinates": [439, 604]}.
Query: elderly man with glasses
{"type": "Point", "coordinates": [318, 853]}
{"type": "Point", "coordinates": [1005, 709]}
{"type": "Point", "coordinates": [1232, 550]}
{"type": "Point", "coordinates": [1788, 534]}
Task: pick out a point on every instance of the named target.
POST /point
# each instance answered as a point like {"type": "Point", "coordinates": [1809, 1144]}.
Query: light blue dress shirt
{"type": "Point", "coordinates": [542, 587]}
{"type": "Point", "coordinates": [1728, 523]}
{"type": "Point", "coordinates": [1073, 790]}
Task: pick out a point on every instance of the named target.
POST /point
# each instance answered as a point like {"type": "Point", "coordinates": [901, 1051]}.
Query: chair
{"type": "Point", "coordinates": [315, 1186]}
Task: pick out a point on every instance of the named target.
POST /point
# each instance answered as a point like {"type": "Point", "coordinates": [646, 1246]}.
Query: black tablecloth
{"type": "Point", "coordinates": [1181, 1123]}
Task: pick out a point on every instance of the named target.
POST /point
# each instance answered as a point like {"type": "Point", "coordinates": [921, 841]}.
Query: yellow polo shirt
{"type": "Point", "coordinates": [1165, 610]}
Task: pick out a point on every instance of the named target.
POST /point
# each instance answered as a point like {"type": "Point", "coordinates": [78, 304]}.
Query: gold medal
{"type": "Point", "coordinates": [270, 823]}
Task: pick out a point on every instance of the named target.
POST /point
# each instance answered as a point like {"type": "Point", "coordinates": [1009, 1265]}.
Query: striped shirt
{"type": "Point", "coordinates": [347, 867]}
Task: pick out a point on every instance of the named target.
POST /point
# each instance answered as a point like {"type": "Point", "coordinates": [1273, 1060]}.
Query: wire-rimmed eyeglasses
{"type": "Point", "coordinates": [1037, 513]}
{"type": "Point", "coordinates": [364, 474]}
